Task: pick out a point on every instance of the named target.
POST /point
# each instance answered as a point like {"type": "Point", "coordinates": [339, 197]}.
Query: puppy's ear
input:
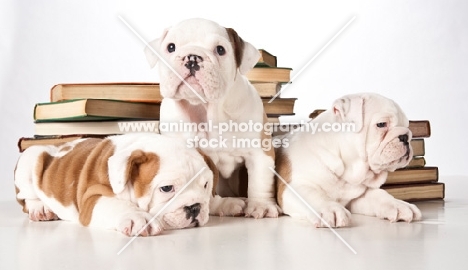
{"type": "Point", "coordinates": [213, 168]}
{"type": "Point", "coordinates": [152, 50]}
{"type": "Point", "coordinates": [138, 167]}
{"type": "Point", "coordinates": [246, 54]}
{"type": "Point", "coordinates": [350, 109]}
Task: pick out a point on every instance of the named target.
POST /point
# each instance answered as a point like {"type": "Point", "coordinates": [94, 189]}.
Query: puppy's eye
{"type": "Point", "coordinates": [382, 124]}
{"type": "Point", "coordinates": [167, 189]}
{"type": "Point", "coordinates": [206, 185]}
{"type": "Point", "coordinates": [171, 47]}
{"type": "Point", "coordinates": [220, 50]}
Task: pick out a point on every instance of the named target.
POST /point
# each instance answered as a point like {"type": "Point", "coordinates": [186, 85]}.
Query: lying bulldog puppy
{"type": "Point", "coordinates": [117, 183]}
{"type": "Point", "coordinates": [202, 81]}
{"type": "Point", "coordinates": [339, 173]}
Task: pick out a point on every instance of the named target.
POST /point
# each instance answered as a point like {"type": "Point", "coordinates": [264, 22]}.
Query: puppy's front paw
{"type": "Point", "coordinates": [39, 212]}
{"type": "Point", "coordinates": [332, 214]}
{"type": "Point", "coordinates": [259, 208]}
{"type": "Point", "coordinates": [398, 210]}
{"type": "Point", "coordinates": [136, 224]}
{"type": "Point", "coordinates": [227, 206]}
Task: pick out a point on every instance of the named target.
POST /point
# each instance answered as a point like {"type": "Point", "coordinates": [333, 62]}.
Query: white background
{"type": "Point", "coordinates": [415, 52]}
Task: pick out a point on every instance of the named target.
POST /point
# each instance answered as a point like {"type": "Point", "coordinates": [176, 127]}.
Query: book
{"type": "Point", "coordinates": [94, 127]}
{"type": "Point", "coordinates": [267, 89]}
{"type": "Point", "coordinates": [413, 175]}
{"type": "Point", "coordinates": [94, 109]}
{"type": "Point", "coordinates": [127, 91]}
{"type": "Point", "coordinates": [420, 128]}
{"type": "Point", "coordinates": [417, 162]}
{"type": "Point", "coordinates": [269, 74]}
{"type": "Point", "coordinates": [25, 142]}
{"type": "Point", "coordinates": [316, 113]}
{"type": "Point", "coordinates": [418, 146]}
{"type": "Point", "coordinates": [266, 59]}
{"type": "Point", "coordinates": [279, 106]}
{"type": "Point", "coordinates": [417, 192]}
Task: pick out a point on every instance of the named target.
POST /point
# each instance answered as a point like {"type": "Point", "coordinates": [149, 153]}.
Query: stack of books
{"type": "Point", "coordinates": [268, 78]}
{"type": "Point", "coordinates": [101, 109]}
{"type": "Point", "coordinates": [417, 181]}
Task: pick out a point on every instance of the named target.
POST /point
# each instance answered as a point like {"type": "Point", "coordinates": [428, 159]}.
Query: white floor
{"type": "Point", "coordinates": [440, 241]}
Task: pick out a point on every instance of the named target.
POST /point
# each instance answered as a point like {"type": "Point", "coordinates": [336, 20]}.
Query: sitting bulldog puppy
{"type": "Point", "coordinates": [202, 68]}
{"type": "Point", "coordinates": [339, 172]}
{"type": "Point", "coordinates": [118, 183]}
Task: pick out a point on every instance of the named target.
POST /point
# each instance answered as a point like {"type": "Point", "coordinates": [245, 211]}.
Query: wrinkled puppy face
{"type": "Point", "coordinates": [203, 56]}
{"type": "Point", "coordinates": [388, 137]}
{"type": "Point", "coordinates": [190, 207]}
{"type": "Point", "coordinates": [163, 177]}
{"type": "Point", "coordinates": [181, 192]}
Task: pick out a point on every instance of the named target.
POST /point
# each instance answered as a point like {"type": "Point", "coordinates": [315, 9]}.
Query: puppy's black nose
{"type": "Point", "coordinates": [403, 138]}
{"type": "Point", "coordinates": [192, 211]}
{"type": "Point", "coordinates": [192, 63]}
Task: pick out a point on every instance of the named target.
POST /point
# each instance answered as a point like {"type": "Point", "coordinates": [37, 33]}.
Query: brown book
{"type": "Point", "coordinates": [128, 91]}
{"type": "Point", "coordinates": [266, 59]}
{"type": "Point", "coordinates": [420, 128]}
{"type": "Point", "coordinates": [279, 106]}
{"type": "Point", "coordinates": [267, 89]}
{"type": "Point", "coordinates": [417, 162]}
{"type": "Point", "coordinates": [269, 74]}
{"type": "Point", "coordinates": [94, 127]}
{"type": "Point", "coordinates": [25, 142]}
{"type": "Point", "coordinates": [413, 175]}
{"type": "Point", "coordinates": [418, 147]}
{"type": "Point", "coordinates": [417, 192]}
{"type": "Point", "coordinates": [94, 109]}
{"type": "Point", "coordinates": [316, 113]}
{"type": "Point", "coordinates": [137, 92]}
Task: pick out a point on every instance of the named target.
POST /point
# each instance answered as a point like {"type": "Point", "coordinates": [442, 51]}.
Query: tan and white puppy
{"type": "Point", "coordinates": [202, 68]}
{"type": "Point", "coordinates": [117, 183]}
{"type": "Point", "coordinates": [339, 173]}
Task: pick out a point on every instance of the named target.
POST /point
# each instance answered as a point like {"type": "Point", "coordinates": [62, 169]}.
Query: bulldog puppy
{"type": "Point", "coordinates": [118, 183]}
{"type": "Point", "coordinates": [201, 68]}
{"type": "Point", "coordinates": [339, 173]}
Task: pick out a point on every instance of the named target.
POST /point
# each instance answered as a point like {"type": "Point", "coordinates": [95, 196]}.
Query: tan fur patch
{"type": "Point", "coordinates": [237, 44]}
{"type": "Point", "coordinates": [142, 167]}
{"type": "Point", "coordinates": [58, 176]}
{"type": "Point", "coordinates": [65, 148]}
{"type": "Point", "coordinates": [213, 168]}
{"type": "Point", "coordinates": [283, 168]}
{"type": "Point", "coordinates": [94, 179]}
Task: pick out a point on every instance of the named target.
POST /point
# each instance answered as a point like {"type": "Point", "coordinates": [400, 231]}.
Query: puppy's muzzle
{"type": "Point", "coordinates": [193, 63]}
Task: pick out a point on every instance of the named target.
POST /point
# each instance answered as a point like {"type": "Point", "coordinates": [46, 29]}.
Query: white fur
{"type": "Point", "coordinates": [339, 172]}
{"type": "Point", "coordinates": [229, 97]}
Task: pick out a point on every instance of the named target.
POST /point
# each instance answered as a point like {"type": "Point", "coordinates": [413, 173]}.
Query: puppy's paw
{"type": "Point", "coordinates": [227, 206]}
{"type": "Point", "coordinates": [398, 210]}
{"type": "Point", "coordinates": [260, 208]}
{"type": "Point", "coordinates": [333, 215]}
{"type": "Point", "coordinates": [137, 224]}
{"type": "Point", "coordinates": [39, 212]}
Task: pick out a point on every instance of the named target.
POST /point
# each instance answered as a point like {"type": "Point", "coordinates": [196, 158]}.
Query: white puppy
{"type": "Point", "coordinates": [118, 183]}
{"type": "Point", "coordinates": [202, 70]}
{"type": "Point", "coordinates": [340, 172]}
